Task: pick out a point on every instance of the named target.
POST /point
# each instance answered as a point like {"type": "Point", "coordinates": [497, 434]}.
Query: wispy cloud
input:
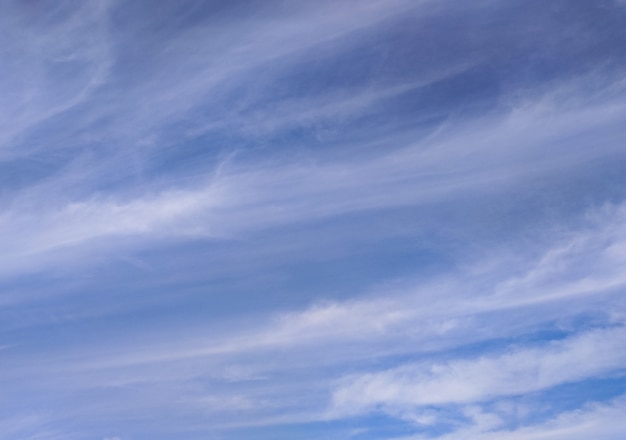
{"type": "Point", "coordinates": [462, 381]}
{"type": "Point", "coordinates": [594, 420]}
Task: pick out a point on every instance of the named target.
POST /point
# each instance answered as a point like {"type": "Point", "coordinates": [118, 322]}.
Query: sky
{"type": "Point", "coordinates": [331, 219]}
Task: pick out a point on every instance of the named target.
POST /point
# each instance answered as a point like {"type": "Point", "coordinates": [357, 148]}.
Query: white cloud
{"type": "Point", "coordinates": [415, 316]}
{"type": "Point", "coordinates": [240, 200]}
{"type": "Point", "coordinates": [604, 421]}
{"type": "Point", "coordinates": [516, 372]}
{"type": "Point", "coordinates": [92, 208]}
{"type": "Point", "coordinates": [32, 90]}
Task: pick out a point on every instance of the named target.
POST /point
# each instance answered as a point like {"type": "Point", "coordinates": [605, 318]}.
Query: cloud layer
{"type": "Point", "coordinates": [348, 219]}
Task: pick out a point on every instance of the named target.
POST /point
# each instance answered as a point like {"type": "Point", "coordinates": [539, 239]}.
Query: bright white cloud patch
{"type": "Point", "coordinates": [514, 372]}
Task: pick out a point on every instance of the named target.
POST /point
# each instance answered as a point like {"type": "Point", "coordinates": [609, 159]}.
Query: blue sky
{"type": "Point", "coordinates": [373, 219]}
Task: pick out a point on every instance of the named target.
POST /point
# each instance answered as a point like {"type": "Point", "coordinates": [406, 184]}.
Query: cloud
{"type": "Point", "coordinates": [517, 372]}
{"type": "Point", "coordinates": [45, 77]}
{"type": "Point", "coordinates": [542, 287]}
{"type": "Point", "coordinates": [594, 420]}
{"type": "Point", "coordinates": [224, 215]}
{"type": "Point", "coordinates": [235, 199]}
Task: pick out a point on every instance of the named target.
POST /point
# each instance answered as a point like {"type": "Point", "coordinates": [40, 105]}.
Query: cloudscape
{"type": "Point", "coordinates": [346, 219]}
